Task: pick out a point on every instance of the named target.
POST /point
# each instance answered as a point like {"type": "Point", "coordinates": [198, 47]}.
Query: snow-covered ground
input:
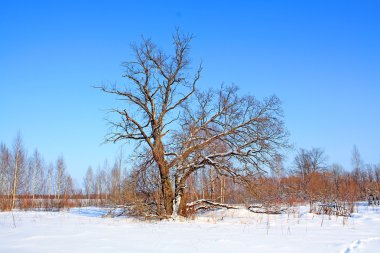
{"type": "Point", "coordinates": [83, 230]}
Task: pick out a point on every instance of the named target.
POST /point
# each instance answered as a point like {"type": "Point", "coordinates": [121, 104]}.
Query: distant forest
{"type": "Point", "coordinates": [28, 181]}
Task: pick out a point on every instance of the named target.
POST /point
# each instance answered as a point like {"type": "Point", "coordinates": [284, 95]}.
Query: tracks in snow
{"type": "Point", "coordinates": [358, 243]}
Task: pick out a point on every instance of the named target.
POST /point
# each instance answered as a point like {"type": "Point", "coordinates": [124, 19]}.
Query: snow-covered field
{"type": "Point", "coordinates": [83, 230]}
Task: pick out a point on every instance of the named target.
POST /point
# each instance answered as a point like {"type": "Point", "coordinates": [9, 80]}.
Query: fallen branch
{"type": "Point", "coordinates": [204, 204]}
{"type": "Point", "coordinates": [266, 209]}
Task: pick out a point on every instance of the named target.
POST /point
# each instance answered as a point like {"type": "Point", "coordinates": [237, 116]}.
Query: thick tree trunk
{"type": "Point", "coordinates": [176, 205]}
{"type": "Point", "coordinates": [167, 193]}
{"type": "Point", "coordinates": [179, 199]}
{"type": "Point", "coordinates": [166, 184]}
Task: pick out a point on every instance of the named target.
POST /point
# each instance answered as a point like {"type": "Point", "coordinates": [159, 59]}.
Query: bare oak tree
{"type": "Point", "coordinates": [186, 130]}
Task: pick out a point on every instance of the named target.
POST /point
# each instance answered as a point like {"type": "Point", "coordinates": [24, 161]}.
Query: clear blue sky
{"type": "Point", "coordinates": [322, 58]}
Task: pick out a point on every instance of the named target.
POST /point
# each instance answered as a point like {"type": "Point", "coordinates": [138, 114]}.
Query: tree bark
{"type": "Point", "coordinates": [176, 205]}
{"type": "Point", "coordinates": [166, 184]}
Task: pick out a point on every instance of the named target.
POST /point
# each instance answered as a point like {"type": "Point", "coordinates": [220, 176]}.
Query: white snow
{"type": "Point", "coordinates": [83, 230]}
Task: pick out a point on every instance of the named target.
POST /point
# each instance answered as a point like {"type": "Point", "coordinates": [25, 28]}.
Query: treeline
{"type": "Point", "coordinates": [29, 182]}
{"type": "Point", "coordinates": [309, 180]}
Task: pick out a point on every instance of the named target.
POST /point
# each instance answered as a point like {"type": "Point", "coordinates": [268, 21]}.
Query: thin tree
{"type": "Point", "coordinates": [60, 175]}
{"type": "Point", "coordinates": [358, 171]}
{"type": "Point", "coordinates": [89, 183]}
{"type": "Point", "coordinates": [5, 176]}
{"type": "Point", "coordinates": [37, 168]}
{"type": "Point", "coordinates": [18, 164]}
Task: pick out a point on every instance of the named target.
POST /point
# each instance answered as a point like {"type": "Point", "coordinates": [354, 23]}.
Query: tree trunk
{"type": "Point", "coordinates": [179, 197]}
{"type": "Point", "coordinates": [203, 178]}
{"type": "Point", "coordinates": [34, 182]}
{"type": "Point", "coordinates": [222, 180]}
{"type": "Point", "coordinates": [167, 191]}
{"type": "Point", "coordinates": [176, 205]}
{"type": "Point", "coordinates": [166, 184]}
{"type": "Point", "coordinates": [15, 182]}
{"type": "Point", "coordinates": [212, 186]}
{"type": "Point", "coordinates": [9, 194]}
